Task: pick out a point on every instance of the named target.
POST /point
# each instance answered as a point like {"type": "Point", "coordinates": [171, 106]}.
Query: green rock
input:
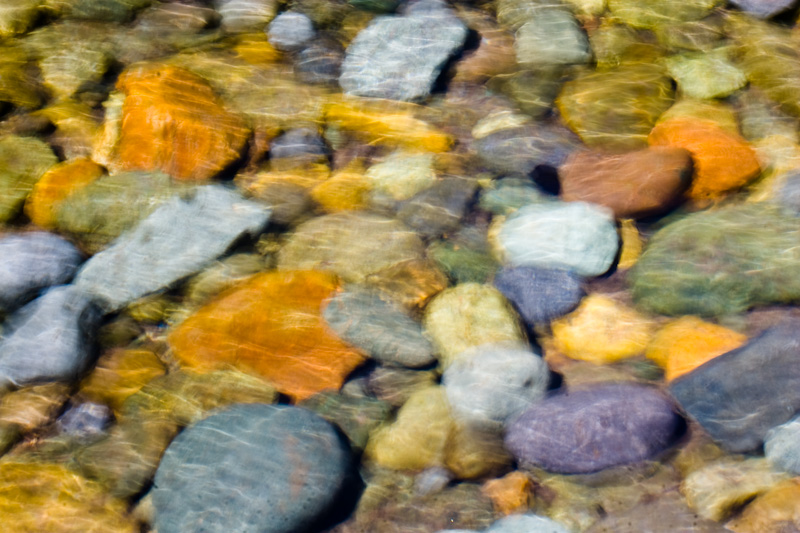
{"type": "Point", "coordinates": [106, 10]}
{"type": "Point", "coordinates": [553, 37]}
{"type": "Point", "coordinates": [616, 108]}
{"type": "Point", "coordinates": [18, 16]}
{"type": "Point", "coordinates": [509, 194]}
{"type": "Point", "coordinates": [706, 75]}
{"type": "Point", "coordinates": [402, 175]}
{"type": "Point", "coordinates": [462, 264]}
{"type": "Point", "coordinates": [22, 162]}
{"type": "Point", "coordinates": [18, 85]}
{"type": "Point", "coordinates": [720, 262]}
{"type": "Point", "coordinates": [356, 417]}
{"type": "Point", "coordinates": [614, 44]}
{"type": "Point", "coordinates": [534, 91]}
{"type": "Point", "coordinates": [697, 35]}
{"type": "Point", "coordinates": [66, 69]}
{"type": "Point", "coordinates": [648, 14]}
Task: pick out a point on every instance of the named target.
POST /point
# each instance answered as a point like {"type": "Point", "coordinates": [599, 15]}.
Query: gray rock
{"type": "Point", "coordinates": [299, 143]}
{"type": "Point", "coordinates": [552, 37]}
{"type": "Point", "coordinates": [782, 446]}
{"type": "Point", "coordinates": [573, 236]}
{"type": "Point", "coordinates": [255, 468]}
{"type": "Point", "coordinates": [493, 382]}
{"type": "Point", "coordinates": [438, 209]}
{"type": "Point", "coordinates": [245, 15]}
{"type": "Point", "coordinates": [50, 339]}
{"type": "Point", "coordinates": [30, 262]}
{"type": "Point", "coordinates": [763, 9]}
{"type": "Point", "coordinates": [600, 427]}
{"type": "Point", "coordinates": [290, 30]}
{"type": "Point", "coordinates": [526, 523]}
{"type": "Point", "coordinates": [382, 329]}
{"type": "Point", "coordinates": [86, 420]}
{"type": "Point", "coordinates": [739, 396]}
{"type": "Point", "coordinates": [788, 194]}
{"type": "Point", "coordinates": [178, 239]}
{"type": "Point", "coordinates": [320, 62]}
{"type": "Point", "coordinates": [539, 294]}
{"type": "Point", "coordinates": [519, 150]}
{"type": "Point", "coordinates": [400, 57]}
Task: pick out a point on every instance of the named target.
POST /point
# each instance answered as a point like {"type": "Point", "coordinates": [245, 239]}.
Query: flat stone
{"type": "Point", "coordinates": [380, 328]}
{"type": "Point", "coordinates": [55, 186]}
{"type": "Point", "coordinates": [633, 185]}
{"type": "Point", "coordinates": [553, 37]}
{"type": "Point", "coordinates": [400, 57]}
{"type": "Point", "coordinates": [288, 464]}
{"type": "Point", "coordinates": [539, 294]}
{"type": "Point", "coordinates": [176, 240]}
{"type": "Point", "coordinates": [572, 236]}
{"type": "Point", "coordinates": [23, 160]}
{"type": "Point", "coordinates": [781, 446]}
{"type": "Point", "coordinates": [596, 428]}
{"type": "Point", "coordinates": [49, 339]}
{"type": "Point", "coordinates": [739, 396]}
{"type": "Point", "coordinates": [31, 262]}
{"type": "Point", "coordinates": [67, 69]}
{"type": "Point", "coordinates": [439, 208]}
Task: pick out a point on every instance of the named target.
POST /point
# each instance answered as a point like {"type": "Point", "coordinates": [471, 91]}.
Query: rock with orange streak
{"type": "Point", "coordinates": [723, 161]}
{"type": "Point", "coordinates": [511, 493]}
{"type": "Point", "coordinates": [686, 343]}
{"type": "Point", "coordinates": [120, 374]}
{"type": "Point", "coordinates": [55, 185]}
{"type": "Point", "coordinates": [172, 121]}
{"type": "Point", "coordinates": [271, 325]}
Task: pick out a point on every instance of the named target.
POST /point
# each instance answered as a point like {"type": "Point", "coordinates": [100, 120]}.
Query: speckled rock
{"type": "Point", "coordinates": [553, 37]}
{"type": "Point", "coordinates": [782, 446]}
{"type": "Point", "coordinates": [567, 236]}
{"type": "Point", "coordinates": [400, 57]}
{"type": "Point", "coordinates": [23, 160]}
{"type": "Point", "coordinates": [593, 429]}
{"type": "Point", "coordinates": [31, 262]}
{"type": "Point", "coordinates": [540, 295]}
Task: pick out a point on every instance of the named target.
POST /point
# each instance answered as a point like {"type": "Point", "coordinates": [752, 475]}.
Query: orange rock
{"type": "Point", "coordinates": [723, 161]}
{"type": "Point", "coordinates": [271, 325]}
{"type": "Point", "coordinates": [511, 493]}
{"type": "Point", "coordinates": [119, 374]}
{"type": "Point", "coordinates": [172, 121]}
{"type": "Point", "coordinates": [57, 184]}
{"type": "Point", "coordinates": [686, 343]}
{"type": "Point", "coordinates": [776, 511]}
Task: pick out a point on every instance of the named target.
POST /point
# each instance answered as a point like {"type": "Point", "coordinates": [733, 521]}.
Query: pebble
{"type": "Point", "coordinates": [706, 74]}
{"type": "Point", "coordinates": [526, 523]}
{"type": "Point", "coordinates": [55, 186]}
{"type": "Point", "coordinates": [402, 175]}
{"type": "Point", "coordinates": [287, 463]}
{"type": "Point", "coordinates": [320, 62]}
{"type": "Point", "coordinates": [659, 12]}
{"type": "Point", "coordinates": [31, 262]}
{"type": "Point", "coordinates": [539, 294]}
{"type": "Point", "coordinates": [773, 511]}
{"type": "Point", "coordinates": [763, 9]}
{"type": "Point", "coordinates": [297, 146]}
{"type": "Point", "coordinates": [86, 420]}
{"type": "Point", "coordinates": [395, 385]}
{"type": "Point", "coordinates": [119, 374]}
{"type": "Point", "coordinates": [476, 451]}
{"type": "Point", "coordinates": [290, 30]}
{"type": "Point", "coordinates": [553, 37]}
{"type": "Point", "coordinates": [356, 417]}
{"type": "Point", "coordinates": [782, 448]}
{"type": "Point", "coordinates": [245, 15]}
{"type": "Point", "coordinates": [438, 210]}
{"type": "Point", "coordinates": [106, 10]}
{"type": "Point", "coordinates": [23, 160]}
{"type": "Point", "coordinates": [593, 429]}
{"type": "Point", "coordinates": [510, 494]}
{"type": "Point", "coordinates": [18, 17]}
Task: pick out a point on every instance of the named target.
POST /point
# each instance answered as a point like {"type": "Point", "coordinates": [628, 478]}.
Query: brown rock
{"type": "Point", "coordinates": [119, 374]}
{"type": "Point", "coordinates": [634, 184]}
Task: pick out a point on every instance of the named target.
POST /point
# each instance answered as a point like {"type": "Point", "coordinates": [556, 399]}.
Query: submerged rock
{"type": "Point", "coordinates": [246, 15]}
{"type": "Point", "coordinates": [55, 186]}
{"type": "Point", "coordinates": [23, 160]}
{"type": "Point", "coordinates": [540, 294]}
{"type": "Point", "coordinates": [782, 446]}
{"type": "Point", "coordinates": [553, 37]}
{"type": "Point", "coordinates": [290, 31]}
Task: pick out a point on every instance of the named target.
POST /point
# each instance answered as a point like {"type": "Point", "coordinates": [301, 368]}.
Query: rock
{"type": "Point", "coordinates": [475, 451]}
{"type": "Point", "coordinates": [615, 44]}
{"type": "Point", "coordinates": [723, 161]}
{"type": "Point", "coordinates": [402, 175]}
{"type": "Point", "coordinates": [526, 523]}
{"type": "Point", "coordinates": [596, 428]}
{"type": "Point", "coordinates": [290, 30]}
{"type": "Point", "coordinates": [119, 374]}
{"type": "Point", "coordinates": [510, 494]}
{"type": "Point", "coordinates": [553, 37]}
{"type": "Point", "coordinates": [145, 260]}
{"type": "Point", "coordinates": [706, 75]}
{"type": "Point", "coordinates": [492, 383]}
{"type": "Point", "coordinates": [631, 246]}
{"type": "Point", "coordinates": [66, 70]}
{"type": "Point", "coordinates": [284, 459]}
{"type": "Point", "coordinates": [438, 209]}
{"type": "Point", "coordinates": [539, 294]}
{"type": "Point", "coordinates": [356, 417]}
{"type": "Point", "coordinates": [534, 91]}
{"type": "Point", "coordinates": [773, 511]}
{"type": "Point", "coordinates": [171, 115]}
{"type": "Point", "coordinates": [246, 15]}
{"type": "Point", "coordinates": [416, 439]}
{"type": "Point", "coordinates": [739, 396]}
{"type": "Point", "coordinates": [698, 35]}
{"type": "Point", "coordinates": [55, 186]}
{"type": "Point", "coordinates": [410, 283]}
{"type": "Point", "coordinates": [400, 57]}
{"type": "Point", "coordinates": [657, 12]}
{"type": "Point", "coordinates": [633, 185]}
{"type": "Point", "coordinates": [27, 409]}
{"type": "Point", "coordinates": [23, 160]}
{"type": "Point", "coordinates": [186, 17]}
{"type": "Point", "coordinates": [572, 236]}
{"type": "Point", "coordinates": [222, 275]}
{"type": "Point", "coordinates": [49, 339]}
{"type": "Point", "coordinates": [18, 16]}
{"type": "Point", "coordinates": [719, 262]}
{"type": "Point", "coordinates": [616, 108]}
{"type": "Point", "coordinates": [346, 190]}
{"type": "Point", "coordinates": [352, 245]}
{"type": "Point", "coordinates": [31, 262]}
{"type": "Point", "coordinates": [462, 264]}
{"type": "Point", "coordinates": [295, 147]}
{"type": "Point", "coordinates": [85, 421]}
{"type": "Point", "coordinates": [287, 194]}
{"type": "Point", "coordinates": [105, 10]}
{"type": "Point", "coordinates": [506, 195]}
{"type": "Point", "coordinates": [688, 342]}
{"type": "Point", "coordinates": [271, 325]}
{"type": "Point", "coordinates": [18, 85]}
{"type": "Point", "coordinates": [763, 9]}
{"type": "Point", "coordinates": [494, 55]}
{"type": "Point", "coordinates": [718, 489]}
{"type": "Point", "coordinates": [602, 331]}
{"type": "Point", "coordinates": [320, 62]}
{"type": "Point", "coordinates": [781, 446]}
{"type": "Point", "coordinates": [396, 385]}
{"type": "Point", "coordinates": [468, 315]}
{"type": "Point", "coordinates": [380, 328]}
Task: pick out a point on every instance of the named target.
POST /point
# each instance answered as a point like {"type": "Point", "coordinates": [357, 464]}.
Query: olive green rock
{"type": "Point", "coordinates": [222, 275]}
{"type": "Point", "coordinates": [706, 75]}
{"type": "Point", "coordinates": [553, 37]}
{"type": "Point", "coordinates": [614, 44]}
{"type": "Point", "coordinates": [462, 265]}
{"type": "Point", "coordinates": [355, 416]}
{"type": "Point", "coordinates": [651, 13]}
{"type": "Point", "coordinates": [18, 16]}
{"type": "Point", "coordinates": [67, 68]}
{"type": "Point", "coordinates": [534, 91]}
{"type": "Point", "coordinates": [698, 35]}
{"type": "Point", "coordinates": [22, 162]}
{"type": "Point", "coordinates": [720, 262]}
{"type": "Point", "coordinates": [18, 84]}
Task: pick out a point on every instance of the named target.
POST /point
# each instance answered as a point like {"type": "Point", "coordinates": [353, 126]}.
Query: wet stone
{"type": "Point", "coordinates": [402, 175]}
{"type": "Point", "coordinates": [320, 62]}
{"type": "Point", "coordinates": [438, 209]}
{"type": "Point", "coordinates": [510, 494]}
{"type": "Point", "coordinates": [396, 385]}
{"type": "Point", "coordinates": [68, 69]}
{"type": "Point", "coordinates": [774, 511]}
{"type": "Point", "coordinates": [22, 162]}
{"type": "Point", "coordinates": [526, 523]}
{"type": "Point", "coordinates": [18, 16]}
{"type": "Point", "coordinates": [86, 420]}
{"type": "Point", "coordinates": [106, 10]}
{"type": "Point", "coordinates": [287, 463]}
{"type": "Point", "coordinates": [55, 186]}
{"type": "Point", "coordinates": [506, 195]}
{"type": "Point", "coordinates": [553, 37]}
{"type": "Point", "coordinates": [781, 446]}
{"type": "Point", "coordinates": [290, 31]}
{"type": "Point", "coordinates": [763, 9]}
{"type": "Point", "coordinates": [31, 262]}
{"type": "Point", "coordinates": [245, 15]}
{"type": "Point", "coordinates": [592, 429]}
{"type": "Point", "coordinates": [651, 13]}
{"type": "Point", "coordinates": [119, 374]}
{"type": "Point", "coordinates": [539, 294]}
{"type": "Point", "coordinates": [476, 451]}
{"type": "Point", "coordinates": [356, 417]}
{"type": "Point", "coordinates": [297, 147]}
{"type": "Point", "coordinates": [706, 75]}
{"type": "Point", "coordinates": [461, 263]}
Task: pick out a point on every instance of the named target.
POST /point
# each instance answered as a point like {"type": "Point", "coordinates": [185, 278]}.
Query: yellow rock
{"type": "Point", "coordinates": [346, 190]}
{"type": "Point", "coordinates": [119, 374]}
{"type": "Point", "coordinates": [775, 511]}
{"type": "Point", "coordinates": [632, 244]}
{"type": "Point", "coordinates": [475, 452]}
{"type": "Point", "coordinates": [255, 49]}
{"type": "Point", "coordinates": [512, 493]}
{"type": "Point", "coordinates": [57, 184]}
{"type": "Point", "coordinates": [306, 178]}
{"type": "Point", "coordinates": [602, 331]}
{"type": "Point", "coordinates": [686, 343]}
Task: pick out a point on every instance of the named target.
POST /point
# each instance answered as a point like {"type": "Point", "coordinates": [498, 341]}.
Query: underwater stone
{"type": "Point", "coordinates": [23, 160]}
{"type": "Point", "coordinates": [782, 446]}
{"type": "Point", "coordinates": [553, 37]}
{"type": "Point", "coordinates": [539, 294]}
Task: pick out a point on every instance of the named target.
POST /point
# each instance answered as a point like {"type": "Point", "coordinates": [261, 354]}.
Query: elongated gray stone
{"type": "Point", "coordinates": [178, 239]}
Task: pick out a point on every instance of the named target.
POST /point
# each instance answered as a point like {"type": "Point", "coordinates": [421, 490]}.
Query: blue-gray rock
{"type": "Point", "coordinates": [254, 468]}
{"type": "Point", "coordinates": [526, 523]}
{"type": "Point", "coordinates": [30, 262]}
{"type": "Point", "coordinates": [573, 236]}
{"type": "Point", "coordinates": [739, 396]}
{"type": "Point", "coordinates": [400, 56]}
{"type": "Point", "coordinates": [494, 382]}
{"type": "Point", "coordinates": [85, 420]}
{"type": "Point", "coordinates": [438, 209]}
{"type": "Point", "coordinates": [380, 328]}
{"type": "Point", "coordinates": [596, 428]}
{"type": "Point", "coordinates": [290, 30]}
{"type": "Point", "coordinates": [782, 446]}
{"type": "Point", "coordinates": [788, 194]}
{"type": "Point", "coordinates": [49, 339]}
{"type": "Point", "coordinates": [298, 143]}
{"type": "Point", "coordinates": [763, 9]}
{"type": "Point", "coordinates": [320, 63]}
{"type": "Point", "coordinates": [519, 150]}
{"type": "Point", "coordinates": [539, 294]}
{"type": "Point", "coordinates": [178, 239]}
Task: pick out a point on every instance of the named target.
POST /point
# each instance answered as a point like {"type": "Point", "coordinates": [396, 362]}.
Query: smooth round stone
{"type": "Point", "coordinates": [493, 382]}
{"type": "Point", "coordinates": [402, 175]}
{"type": "Point", "coordinates": [519, 150]}
{"type": "Point", "coordinates": [782, 446]}
{"type": "Point", "coordinates": [320, 62]}
{"type": "Point", "coordinates": [245, 15]}
{"type": "Point", "coordinates": [526, 523]}
{"type": "Point", "coordinates": [572, 236]}
{"type": "Point", "coordinates": [438, 209]}
{"type": "Point", "coordinates": [539, 294]}
{"type": "Point", "coordinates": [553, 37]}
{"type": "Point", "coordinates": [286, 464]}
{"type": "Point", "coordinates": [290, 30]}
{"type": "Point", "coordinates": [596, 428]}
{"type": "Point", "coordinates": [462, 264]}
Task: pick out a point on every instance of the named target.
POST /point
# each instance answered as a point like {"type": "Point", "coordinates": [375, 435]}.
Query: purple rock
{"type": "Point", "coordinates": [592, 429]}
{"type": "Point", "coordinates": [539, 294]}
{"type": "Point", "coordinates": [85, 420]}
{"type": "Point", "coordinates": [763, 9]}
